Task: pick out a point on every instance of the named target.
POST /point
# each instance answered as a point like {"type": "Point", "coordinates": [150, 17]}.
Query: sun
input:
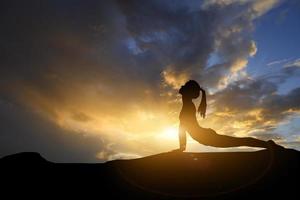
{"type": "Point", "coordinates": [170, 133]}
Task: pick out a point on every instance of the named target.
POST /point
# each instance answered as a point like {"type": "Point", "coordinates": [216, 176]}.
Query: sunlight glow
{"type": "Point", "coordinates": [170, 133]}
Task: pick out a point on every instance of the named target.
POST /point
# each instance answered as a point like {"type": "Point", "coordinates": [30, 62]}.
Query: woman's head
{"type": "Point", "coordinates": [190, 89]}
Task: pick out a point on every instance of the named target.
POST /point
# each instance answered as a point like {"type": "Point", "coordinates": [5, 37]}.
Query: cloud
{"type": "Point", "coordinates": [267, 136]}
{"type": "Point", "coordinates": [173, 79]}
{"type": "Point", "coordinates": [252, 106]}
{"type": "Point", "coordinates": [24, 130]}
{"type": "Point", "coordinates": [111, 73]}
{"type": "Point", "coordinates": [295, 63]}
{"type": "Point", "coordinates": [184, 35]}
{"type": "Point", "coordinates": [108, 156]}
{"type": "Point", "coordinates": [257, 8]}
{"type": "Point", "coordinates": [81, 117]}
{"type": "Point", "coordinates": [275, 62]}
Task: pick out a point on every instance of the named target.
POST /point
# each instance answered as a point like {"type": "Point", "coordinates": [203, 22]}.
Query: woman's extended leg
{"type": "Point", "coordinates": [211, 138]}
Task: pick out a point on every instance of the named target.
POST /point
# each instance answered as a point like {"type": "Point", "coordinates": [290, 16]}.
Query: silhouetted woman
{"type": "Point", "coordinates": [206, 136]}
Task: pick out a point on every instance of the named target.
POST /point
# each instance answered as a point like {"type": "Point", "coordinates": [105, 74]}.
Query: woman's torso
{"type": "Point", "coordinates": [187, 116]}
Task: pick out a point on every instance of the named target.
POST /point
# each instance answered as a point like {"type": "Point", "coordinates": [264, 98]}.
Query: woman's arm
{"type": "Point", "coordinates": [182, 137]}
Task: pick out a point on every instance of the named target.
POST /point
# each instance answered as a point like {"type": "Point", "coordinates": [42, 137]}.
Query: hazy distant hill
{"type": "Point", "coordinates": [237, 175]}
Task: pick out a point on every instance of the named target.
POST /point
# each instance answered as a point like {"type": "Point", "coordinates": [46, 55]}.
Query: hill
{"type": "Point", "coordinates": [229, 175]}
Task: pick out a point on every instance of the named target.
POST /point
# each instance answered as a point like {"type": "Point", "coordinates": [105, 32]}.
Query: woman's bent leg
{"type": "Point", "coordinates": [211, 138]}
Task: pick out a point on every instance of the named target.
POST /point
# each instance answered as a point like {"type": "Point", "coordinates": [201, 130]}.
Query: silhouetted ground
{"type": "Point", "coordinates": [236, 175]}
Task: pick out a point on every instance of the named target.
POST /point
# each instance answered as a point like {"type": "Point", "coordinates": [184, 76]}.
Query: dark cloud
{"type": "Point", "coordinates": [257, 102]}
{"type": "Point", "coordinates": [243, 95]}
{"type": "Point", "coordinates": [171, 31]}
{"type": "Point", "coordinates": [67, 41]}
{"type": "Point", "coordinates": [183, 36]}
{"type": "Point", "coordinates": [53, 44]}
{"type": "Point", "coordinates": [277, 106]}
{"type": "Point", "coordinates": [281, 75]}
{"type": "Point", "coordinates": [23, 130]}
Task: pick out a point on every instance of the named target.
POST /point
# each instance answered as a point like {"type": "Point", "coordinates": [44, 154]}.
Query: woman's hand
{"type": "Point", "coordinates": [180, 150]}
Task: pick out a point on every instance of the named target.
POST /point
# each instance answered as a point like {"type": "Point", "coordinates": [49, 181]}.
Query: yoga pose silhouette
{"type": "Point", "coordinates": [207, 136]}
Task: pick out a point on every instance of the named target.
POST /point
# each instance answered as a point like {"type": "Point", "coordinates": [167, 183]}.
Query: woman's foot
{"type": "Point", "coordinates": [180, 150]}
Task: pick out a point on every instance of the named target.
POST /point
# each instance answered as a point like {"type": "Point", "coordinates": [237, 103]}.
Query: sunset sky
{"type": "Point", "coordinates": [90, 81]}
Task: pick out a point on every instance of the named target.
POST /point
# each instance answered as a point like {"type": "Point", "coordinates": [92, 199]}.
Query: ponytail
{"type": "Point", "coordinates": [202, 105]}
